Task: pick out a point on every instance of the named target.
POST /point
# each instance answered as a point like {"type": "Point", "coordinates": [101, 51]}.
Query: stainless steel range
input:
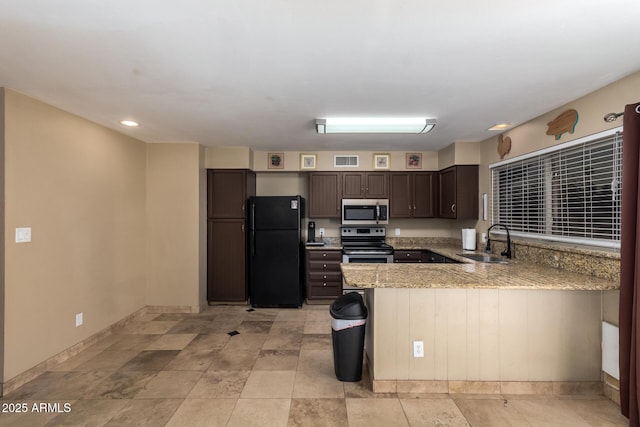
{"type": "Point", "coordinates": [365, 243]}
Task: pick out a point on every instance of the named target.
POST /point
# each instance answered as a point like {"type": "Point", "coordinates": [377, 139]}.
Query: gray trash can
{"type": "Point", "coordinates": [348, 322]}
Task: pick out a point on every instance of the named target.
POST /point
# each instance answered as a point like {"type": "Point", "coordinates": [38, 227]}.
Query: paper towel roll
{"type": "Point", "coordinates": [469, 239]}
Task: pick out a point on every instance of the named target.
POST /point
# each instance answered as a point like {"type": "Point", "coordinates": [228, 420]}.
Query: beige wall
{"type": "Point", "coordinates": [531, 136]}
{"type": "Point", "coordinates": [174, 216]}
{"type": "Point", "coordinates": [2, 225]}
{"type": "Point", "coordinates": [81, 188]}
{"type": "Point", "coordinates": [228, 157]}
{"type": "Point", "coordinates": [325, 160]}
{"type": "Point", "coordinates": [202, 233]}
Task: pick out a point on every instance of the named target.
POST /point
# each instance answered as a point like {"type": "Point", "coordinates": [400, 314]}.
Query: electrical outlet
{"type": "Point", "coordinates": [418, 349]}
{"type": "Point", "coordinates": [483, 237]}
{"type": "Point", "coordinates": [79, 319]}
{"type": "Point", "coordinates": [321, 231]}
{"type": "Point", "coordinates": [397, 231]}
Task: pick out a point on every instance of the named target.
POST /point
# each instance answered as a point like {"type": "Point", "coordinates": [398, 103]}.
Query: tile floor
{"type": "Point", "coordinates": [186, 370]}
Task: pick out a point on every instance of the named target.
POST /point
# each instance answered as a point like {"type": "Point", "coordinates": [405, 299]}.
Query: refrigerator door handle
{"type": "Point", "coordinates": [253, 229]}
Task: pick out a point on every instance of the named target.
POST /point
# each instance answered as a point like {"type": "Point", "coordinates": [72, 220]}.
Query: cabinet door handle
{"type": "Point", "coordinates": [324, 255]}
{"type": "Point", "coordinates": [324, 284]}
{"type": "Point", "coordinates": [453, 208]}
{"type": "Point", "coordinates": [324, 277]}
{"type": "Point", "coordinates": [414, 207]}
{"type": "Point", "coordinates": [408, 254]}
{"type": "Point", "coordinates": [324, 265]}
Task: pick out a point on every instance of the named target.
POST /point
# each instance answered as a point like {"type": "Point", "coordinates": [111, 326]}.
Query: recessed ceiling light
{"type": "Point", "coordinates": [500, 126]}
{"type": "Point", "coordinates": [375, 125]}
{"type": "Point", "coordinates": [129, 123]}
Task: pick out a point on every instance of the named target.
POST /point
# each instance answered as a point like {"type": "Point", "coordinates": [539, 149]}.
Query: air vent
{"type": "Point", "coordinates": [346, 161]}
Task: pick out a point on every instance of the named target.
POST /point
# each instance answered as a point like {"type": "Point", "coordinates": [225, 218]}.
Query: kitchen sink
{"type": "Point", "coordinates": [486, 258]}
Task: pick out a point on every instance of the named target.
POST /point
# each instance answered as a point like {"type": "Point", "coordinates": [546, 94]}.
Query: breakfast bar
{"type": "Point", "coordinates": [482, 327]}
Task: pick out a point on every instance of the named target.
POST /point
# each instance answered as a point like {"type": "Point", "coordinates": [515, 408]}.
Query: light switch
{"type": "Point", "coordinates": [23, 235]}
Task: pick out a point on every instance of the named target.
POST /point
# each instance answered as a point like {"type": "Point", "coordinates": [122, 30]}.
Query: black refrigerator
{"type": "Point", "coordinates": [275, 251]}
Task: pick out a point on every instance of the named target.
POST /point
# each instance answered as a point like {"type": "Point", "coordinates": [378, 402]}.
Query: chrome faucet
{"type": "Point", "coordinates": [507, 252]}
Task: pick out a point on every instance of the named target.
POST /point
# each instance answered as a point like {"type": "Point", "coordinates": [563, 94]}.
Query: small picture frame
{"type": "Point", "coordinates": [307, 161]}
{"type": "Point", "coordinates": [414, 161]}
{"type": "Point", "coordinates": [381, 160]}
{"type": "Point", "coordinates": [275, 160]}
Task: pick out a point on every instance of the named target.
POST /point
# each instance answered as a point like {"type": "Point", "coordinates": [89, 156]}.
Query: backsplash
{"type": "Point", "coordinates": [421, 242]}
{"type": "Point", "coordinates": [598, 263]}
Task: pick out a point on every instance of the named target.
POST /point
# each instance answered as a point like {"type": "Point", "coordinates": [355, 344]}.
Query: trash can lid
{"type": "Point", "coordinates": [349, 307]}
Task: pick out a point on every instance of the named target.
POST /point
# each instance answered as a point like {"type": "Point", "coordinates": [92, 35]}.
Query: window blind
{"type": "Point", "coordinates": [570, 192]}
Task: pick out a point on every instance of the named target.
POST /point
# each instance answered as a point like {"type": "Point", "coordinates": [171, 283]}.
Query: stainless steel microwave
{"type": "Point", "coordinates": [365, 211]}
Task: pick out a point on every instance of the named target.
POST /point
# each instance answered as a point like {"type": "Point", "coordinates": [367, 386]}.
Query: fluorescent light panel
{"type": "Point", "coordinates": [375, 125]}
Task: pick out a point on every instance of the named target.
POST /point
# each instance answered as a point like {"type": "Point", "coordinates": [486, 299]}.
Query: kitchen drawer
{"type": "Point", "coordinates": [434, 257]}
{"type": "Point", "coordinates": [319, 266]}
{"type": "Point", "coordinates": [317, 255]}
{"type": "Point", "coordinates": [324, 283]}
{"type": "Point", "coordinates": [330, 290]}
{"type": "Point", "coordinates": [407, 256]}
{"type": "Point", "coordinates": [325, 276]}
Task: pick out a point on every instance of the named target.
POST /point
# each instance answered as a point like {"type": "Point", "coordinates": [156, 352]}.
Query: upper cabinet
{"type": "Point", "coordinates": [450, 193]}
{"type": "Point", "coordinates": [228, 191]}
{"type": "Point", "coordinates": [365, 185]}
{"type": "Point", "coordinates": [458, 192]}
{"type": "Point", "coordinates": [325, 194]}
{"type": "Point", "coordinates": [412, 194]}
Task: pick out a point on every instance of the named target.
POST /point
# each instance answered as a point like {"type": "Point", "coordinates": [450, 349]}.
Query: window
{"type": "Point", "coordinates": [569, 192]}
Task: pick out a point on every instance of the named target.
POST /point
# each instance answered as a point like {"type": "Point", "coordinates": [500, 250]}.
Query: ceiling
{"type": "Point", "coordinates": [257, 73]}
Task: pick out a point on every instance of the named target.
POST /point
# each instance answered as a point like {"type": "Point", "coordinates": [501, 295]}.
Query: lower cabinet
{"type": "Point", "coordinates": [407, 256]}
{"type": "Point", "coordinates": [420, 255]}
{"type": "Point", "coordinates": [226, 260]}
{"type": "Point", "coordinates": [324, 278]}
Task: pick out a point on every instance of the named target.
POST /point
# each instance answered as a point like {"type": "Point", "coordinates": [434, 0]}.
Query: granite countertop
{"type": "Point", "coordinates": [470, 274]}
{"type": "Point", "coordinates": [326, 247]}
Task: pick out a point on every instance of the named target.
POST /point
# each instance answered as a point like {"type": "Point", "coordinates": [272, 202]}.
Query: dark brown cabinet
{"type": "Point", "coordinates": [228, 191]}
{"type": "Point", "coordinates": [227, 267]}
{"type": "Point", "coordinates": [227, 194]}
{"type": "Point", "coordinates": [458, 192]}
{"type": "Point", "coordinates": [407, 256]}
{"type": "Point", "coordinates": [369, 185]}
{"type": "Point", "coordinates": [413, 194]}
{"type": "Point", "coordinates": [324, 194]}
{"type": "Point", "coordinates": [420, 256]}
{"type": "Point", "coordinates": [324, 278]}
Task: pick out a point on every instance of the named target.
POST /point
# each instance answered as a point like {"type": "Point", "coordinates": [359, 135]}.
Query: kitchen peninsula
{"type": "Point", "coordinates": [488, 328]}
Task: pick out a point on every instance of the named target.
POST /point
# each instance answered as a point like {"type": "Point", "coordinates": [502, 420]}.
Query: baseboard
{"type": "Point", "coordinates": [160, 309]}
{"type": "Point", "coordinates": [30, 374]}
{"type": "Point", "coordinates": [550, 388]}
{"type": "Point", "coordinates": [611, 388]}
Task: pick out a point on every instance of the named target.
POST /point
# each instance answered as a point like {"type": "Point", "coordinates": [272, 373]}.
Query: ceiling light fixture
{"type": "Point", "coordinates": [500, 126]}
{"type": "Point", "coordinates": [375, 125]}
{"type": "Point", "coordinates": [129, 123]}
